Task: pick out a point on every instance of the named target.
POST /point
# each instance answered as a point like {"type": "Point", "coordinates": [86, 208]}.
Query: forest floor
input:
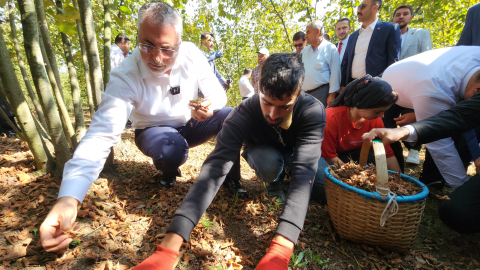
{"type": "Point", "coordinates": [232, 234]}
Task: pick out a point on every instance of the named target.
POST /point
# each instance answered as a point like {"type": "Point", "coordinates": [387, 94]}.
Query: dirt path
{"type": "Point", "coordinates": [232, 234]}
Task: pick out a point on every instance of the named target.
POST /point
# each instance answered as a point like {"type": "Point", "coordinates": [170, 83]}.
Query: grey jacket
{"type": "Point", "coordinates": [416, 41]}
{"type": "Point", "coordinates": [471, 31]}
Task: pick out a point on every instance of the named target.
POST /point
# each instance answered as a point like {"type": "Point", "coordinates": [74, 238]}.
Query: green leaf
{"type": "Point", "coordinates": [63, 19]}
{"type": "Point", "coordinates": [118, 21]}
{"type": "Point", "coordinates": [125, 10]}
{"type": "Point", "coordinates": [48, 3]}
{"type": "Point", "coordinates": [72, 12]}
{"type": "Point", "coordinates": [2, 3]}
{"type": "Point", "coordinates": [67, 28]}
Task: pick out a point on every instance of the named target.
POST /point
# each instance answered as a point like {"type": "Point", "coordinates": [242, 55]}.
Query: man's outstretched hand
{"type": "Point", "coordinates": [387, 135]}
{"type": "Point", "coordinates": [60, 219]}
{"type": "Point", "coordinates": [278, 255]}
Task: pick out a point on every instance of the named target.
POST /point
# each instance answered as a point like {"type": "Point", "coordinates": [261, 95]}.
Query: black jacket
{"type": "Point", "coordinates": [459, 119]}
{"type": "Point", "coordinates": [246, 124]}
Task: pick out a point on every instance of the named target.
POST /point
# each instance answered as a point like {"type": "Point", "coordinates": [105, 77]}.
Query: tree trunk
{"type": "Point", "coordinates": [85, 64]}
{"type": "Point", "coordinates": [89, 35]}
{"type": "Point", "coordinates": [35, 60]}
{"type": "Point", "coordinates": [23, 69]}
{"type": "Point", "coordinates": [107, 41]}
{"type": "Point", "coordinates": [64, 117]}
{"type": "Point", "coordinates": [18, 104]}
{"type": "Point", "coordinates": [72, 73]}
{"type": "Point", "coordinates": [47, 42]}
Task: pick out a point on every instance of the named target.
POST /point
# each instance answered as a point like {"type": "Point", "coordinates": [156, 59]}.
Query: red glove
{"type": "Point", "coordinates": [163, 259]}
{"type": "Point", "coordinates": [277, 257]}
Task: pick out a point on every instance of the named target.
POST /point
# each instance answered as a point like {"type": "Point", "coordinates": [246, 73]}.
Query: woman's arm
{"type": "Point", "coordinates": [334, 161]}
{"type": "Point", "coordinates": [392, 164]}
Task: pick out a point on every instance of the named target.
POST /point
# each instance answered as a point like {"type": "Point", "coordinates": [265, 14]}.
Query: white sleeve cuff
{"type": "Point", "coordinates": [413, 136]}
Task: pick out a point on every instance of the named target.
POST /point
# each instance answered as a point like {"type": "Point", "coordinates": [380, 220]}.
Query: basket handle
{"type": "Point", "coordinates": [380, 161]}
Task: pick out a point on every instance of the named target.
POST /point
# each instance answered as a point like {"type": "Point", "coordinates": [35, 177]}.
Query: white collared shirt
{"type": "Point", "coordinates": [403, 36]}
{"type": "Point", "coordinates": [429, 83]}
{"type": "Point", "coordinates": [134, 89]}
{"type": "Point", "coordinates": [322, 66]}
{"type": "Point", "coordinates": [361, 49]}
{"type": "Point", "coordinates": [344, 47]}
{"type": "Point", "coordinates": [116, 56]}
{"type": "Point", "coordinates": [246, 88]}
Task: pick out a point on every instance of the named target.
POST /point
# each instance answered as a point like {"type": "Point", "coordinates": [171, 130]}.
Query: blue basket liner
{"type": "Point", "coordinates": [376, 196]}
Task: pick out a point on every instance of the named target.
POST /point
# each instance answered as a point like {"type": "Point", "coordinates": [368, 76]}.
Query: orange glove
{"type": "Point", "coordinates": [163, 259]}
{"type": "Point", "coordinates": [277, 257]}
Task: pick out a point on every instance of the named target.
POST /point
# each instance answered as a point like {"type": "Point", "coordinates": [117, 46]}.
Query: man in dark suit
{"type": "Point", "coordinates": [372, 48]}
{"type": "Point", "coordinates": [471, 31]}
{"type": "Point", "coordinates": [462, 212]}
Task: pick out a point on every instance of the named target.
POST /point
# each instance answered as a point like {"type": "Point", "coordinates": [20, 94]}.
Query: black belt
{"type": "Point", "coordinates": [308, 91]}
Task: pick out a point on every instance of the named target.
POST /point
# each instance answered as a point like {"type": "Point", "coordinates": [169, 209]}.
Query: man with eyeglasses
{"type": "Point", "coordinates": [322, 65]}
{"type": "Point", "coordinates": [154, 85]}
{"type": "Point", "coordinates": [207, 42]}
{"type": "Point", "coordinates": [299, 41]}
{"type": "Point", "coordinates": [372, 48]}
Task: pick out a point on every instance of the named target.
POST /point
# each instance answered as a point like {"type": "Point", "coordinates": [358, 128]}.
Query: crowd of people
{"type": "Point", "coordinates": [301, 112]}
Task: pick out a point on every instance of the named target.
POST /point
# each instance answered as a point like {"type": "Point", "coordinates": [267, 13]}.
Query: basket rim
{"type": "Point", "coordinates": [376, 196]}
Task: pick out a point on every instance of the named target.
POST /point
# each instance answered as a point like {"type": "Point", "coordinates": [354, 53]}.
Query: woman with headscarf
{"type": "Point", "coordinates": [358, 109]}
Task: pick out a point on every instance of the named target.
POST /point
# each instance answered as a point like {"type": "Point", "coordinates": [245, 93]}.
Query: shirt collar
{"type": "Point", "coordinates": [285, 124]}
{"type": "Point", "coordinates": [465, 80]}
{"type": "Point", "coordinates": [372, 25]}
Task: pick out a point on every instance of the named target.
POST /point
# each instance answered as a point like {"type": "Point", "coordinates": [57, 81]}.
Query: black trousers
{"type": "Point", "coordinates": [462, 212]}
{"type": "Point", "coordinates": [394, 112]}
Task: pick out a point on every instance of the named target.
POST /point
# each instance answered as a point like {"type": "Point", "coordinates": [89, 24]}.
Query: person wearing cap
{"type": "Point", "coordinates": [322, 65]}
{"type": "Point", "coordinates": [207, 42]}
{"type": "Point", "coordinates": [280, 126]}
{"type": "Point", "coordinates": [429, 83]}
{"type": "Point", "coordinates": [119, 51]}
{"type": "Point", "coordinates": [358, 109]}
{"type": "Point", "coordinates": [262, 55]}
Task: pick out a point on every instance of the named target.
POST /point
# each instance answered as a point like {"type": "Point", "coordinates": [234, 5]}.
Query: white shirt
{"type": "Point", "coordinates": [361, 48]}
{"type": "Point", "coordinates": [432, 82]}
{"type": "Point", "coordinates": [246, 88]}
{"type": "Point", "coordinates": [116, 56]}
{"type": "Point", "coordinates": [322, 66]}
{"type": "Point", "coordinates": [344, 47]}
{"type": "Point", "coordinates": [403, 36]}
{"type": "Point", "coordinates": [133, 88]}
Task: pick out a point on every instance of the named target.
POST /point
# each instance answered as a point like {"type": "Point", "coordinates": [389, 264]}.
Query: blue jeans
{"type": "Point", "coordinates": [268, 163]}
{"type": "Point", "coordinates": [168, 147]}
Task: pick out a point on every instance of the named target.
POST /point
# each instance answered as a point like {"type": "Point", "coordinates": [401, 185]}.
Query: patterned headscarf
{"type": "Point", "coordinates": [363, 93]}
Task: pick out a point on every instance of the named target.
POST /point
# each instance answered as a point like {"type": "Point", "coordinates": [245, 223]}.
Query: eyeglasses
{"type": "Point", "coordinates": [298, 45]}
{"type": "Point", "coordinates": [362, 6]}
{"type": "Point", "coordinates": [167, 53]}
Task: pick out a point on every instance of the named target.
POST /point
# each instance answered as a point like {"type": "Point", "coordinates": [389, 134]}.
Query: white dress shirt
{"type": "Point", "coordinates": [344, 47]}
{"type": "Point", "coordinates": [403, 36]}
{"type": "Point", "coordinates": [116, 56]}
{"type": "Point", "coordinates": [134, 89]}
{"type": "Point", "coordinates": [359, 68]}
{"type": "Point", "coordinates": [432, 82]}
{"type": "Point", "coordinates": [322, 66]}
{"type": "Point", "coordinates": [246, 88]}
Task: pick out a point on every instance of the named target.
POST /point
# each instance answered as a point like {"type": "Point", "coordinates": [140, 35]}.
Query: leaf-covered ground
{"type": "Point", "coordinates": [232, 234]}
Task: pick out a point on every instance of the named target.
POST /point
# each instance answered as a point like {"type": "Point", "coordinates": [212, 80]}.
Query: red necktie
{"type": "Point", "coordinates": [340, 47]}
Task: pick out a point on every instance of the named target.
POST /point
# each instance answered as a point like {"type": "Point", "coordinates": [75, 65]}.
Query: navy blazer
{"type": "Point", "coordinates": [383, 50]}
{"type": "Point", "coordinates": [471, 30]}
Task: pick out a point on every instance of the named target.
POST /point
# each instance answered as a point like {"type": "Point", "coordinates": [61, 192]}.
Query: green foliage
{"type": "Point", "coordinates": [206, 222]}
{"type": "Point", "coordinates": [310, 258]}
{"type": "Point", "coordinates": [276, 205]}
{"type": "Point", "coordinates": [35, 231]}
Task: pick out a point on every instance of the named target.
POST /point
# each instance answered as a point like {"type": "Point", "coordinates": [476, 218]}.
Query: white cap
{"type": "Point", "coordinates": [264, 51]}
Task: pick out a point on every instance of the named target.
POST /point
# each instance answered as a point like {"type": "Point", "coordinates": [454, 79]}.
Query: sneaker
{"type": "Point", "coordinates": [234, 187]}
{"type": "Point", "coordinates": [413, 157]}
{"type": "Point", "coordinates": [274, 190]}
{"type": "Point", "coordinates": [165, 180]}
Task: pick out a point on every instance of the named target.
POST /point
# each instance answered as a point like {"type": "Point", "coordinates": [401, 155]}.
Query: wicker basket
{"type": "Point", "coordinates": [356, 215]}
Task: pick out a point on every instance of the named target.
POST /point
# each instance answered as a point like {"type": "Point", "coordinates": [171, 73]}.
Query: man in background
{"type": "Point", "coordinates": [246, 88]}
{"type": "Point", "coordinates": [342, 30]}
{"type": "Point", "coordinates": [119, 51]}
{"type": "Point", "coordinates": [322, 65]}
{"type": "Point", "coordinates": [372, 48]}
{"type": "Point", "coordinates": [207, 45]}
{"type": "Point", "coordinates": [414, 41]}
{"type": "Point", "coordinates": [262, 55]}
{"type": "Point", "coordinates": [299, 41]}
{"type": "Point", "coordinates": [471, 31]}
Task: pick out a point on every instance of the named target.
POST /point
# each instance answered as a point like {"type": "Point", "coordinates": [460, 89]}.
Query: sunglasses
{"type": "Point", "coordinates": [298, 45]}
{"type": "Point", "coordinates": [362, 6]}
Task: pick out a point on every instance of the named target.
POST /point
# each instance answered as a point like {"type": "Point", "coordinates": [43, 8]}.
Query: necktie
{"type": "Point", "coordinates": [340, 47]}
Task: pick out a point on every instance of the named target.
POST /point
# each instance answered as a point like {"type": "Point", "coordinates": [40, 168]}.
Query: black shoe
{"type": "Point", "coordinates": [274, 190]}
{"type": "Point", "coordinates": [235, 188]}
{"type": "Point", "coordinates": [165, 180]}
